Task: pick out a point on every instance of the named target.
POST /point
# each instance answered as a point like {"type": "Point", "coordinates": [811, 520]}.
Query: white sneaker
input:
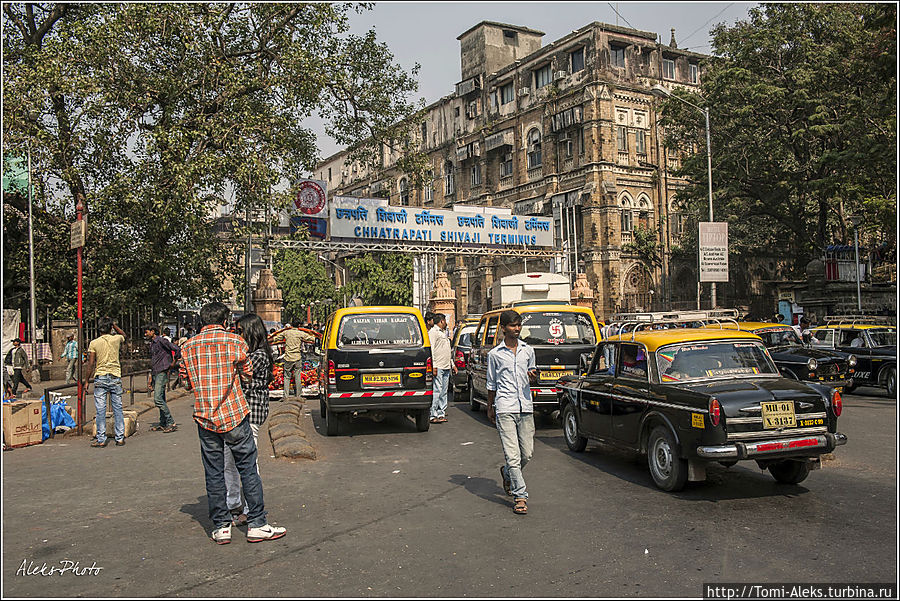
{"type": "Point", "coordinates": [267, 532]}
{"type": "Point", "coordinates": [222, 536]}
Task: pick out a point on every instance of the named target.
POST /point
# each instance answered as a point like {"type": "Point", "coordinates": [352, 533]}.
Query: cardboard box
{"type": "Point", "coordinates": [130, 424]}
{"type": "Point", "coordinates": [22, 423]}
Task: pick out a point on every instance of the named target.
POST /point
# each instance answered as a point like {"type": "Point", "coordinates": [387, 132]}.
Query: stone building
{"type": "Point", "coordinates": [567, 130]}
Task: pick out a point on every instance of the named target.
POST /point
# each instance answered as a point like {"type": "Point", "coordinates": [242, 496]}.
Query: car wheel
{"type": "Point", "coordinates": [474, 405]}
{"type": "Point", "coordinates": [332, 422]}
{"type": "Point", "coordinates": [574, 441]}
{"type": "Point", "coordinates": [423, 420]}
{"type": "Point", "coordinates": [669, 471]}
{"type": "Point", "coordinates": [850, 388]}
{"type": "Point", "coordinates": [790, 471]}
{"type": "Point", "coordinates": [322, 408]}
{"type": "Point", "coordinates": [728, 463]}
{"type": "Point", "coordinates": [891, 381]}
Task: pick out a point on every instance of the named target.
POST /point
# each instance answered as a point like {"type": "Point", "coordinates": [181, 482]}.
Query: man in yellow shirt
{"type": "Point", "coordinates": [103, 364]}
{"type": "Point", "coordinates": [293, 355]}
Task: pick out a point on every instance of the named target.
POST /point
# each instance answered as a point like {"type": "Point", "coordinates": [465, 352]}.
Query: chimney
{"type": "Point", "coordinates": [672, 43]}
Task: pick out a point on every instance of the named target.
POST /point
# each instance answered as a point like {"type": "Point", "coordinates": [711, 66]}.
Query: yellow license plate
{"type": "Point", "coordinates": [381, 379]}
{"type": "Point", "coordinates": [555, 375]}
{"type": "Point", "coordinates": [779, 414]}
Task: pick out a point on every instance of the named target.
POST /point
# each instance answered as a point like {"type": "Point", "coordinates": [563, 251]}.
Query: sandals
{"type": "Point", "coordinates": [520, 508]}
{"type": "Point", "coordinates": [100, 445]}
{"type": "Point", "coordinates": [157, 428]}
{"type": "Point", "coordinates": [170, 428]}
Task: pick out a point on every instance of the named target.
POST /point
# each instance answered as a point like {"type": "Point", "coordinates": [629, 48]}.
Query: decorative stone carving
{"type": "Point", "coordinates": [582, 295]}
{"type": "Point", "coordinates": [267, 298]}
{"type": "Point", "coordinates": [443, 298]}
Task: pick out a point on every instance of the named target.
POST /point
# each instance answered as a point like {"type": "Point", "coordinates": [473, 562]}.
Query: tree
{"type": "Point", "coordinates": [802, 104]}
{"type": "Point", "coordinates": [381, 278]}
{"type": "Point", "coordinates": [303, 281]}
{"type": "Point", "coordinates": [147, 113]}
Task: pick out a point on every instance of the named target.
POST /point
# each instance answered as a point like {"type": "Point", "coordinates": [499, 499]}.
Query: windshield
{"type": "Point", "coordinates": [464, 338]}
{"type": "Point", "coordinates": [779, 337]}
{"type": "Point", "coordinates": [550, 327]}
{"type": "Point", "coordinates": [713, 360]}
{"type": "Point", "coordinates": [380, 329]}
{"type": "Point", "coordinates": [883, 336]}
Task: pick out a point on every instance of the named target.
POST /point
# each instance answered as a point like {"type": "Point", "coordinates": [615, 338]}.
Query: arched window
{"type": "Point", "coordinates": [627, 213]}
{"type": "Point", "coordinates": [404, 193]}
{"type": "Point", "coordinates": [534, 148]}
{"type": "Point", "coordinates": [428, 186]}
{"type": "Point", "coordinates": [448, 178]}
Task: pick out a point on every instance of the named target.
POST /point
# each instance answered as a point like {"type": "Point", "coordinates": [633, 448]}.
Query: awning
{"type": "Point", "coordinates": [503, 138]}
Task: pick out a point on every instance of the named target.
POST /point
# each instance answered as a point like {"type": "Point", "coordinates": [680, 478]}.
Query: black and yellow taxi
{"type": "Point", "coordinates": [690, 396]}
{"type": "Point", "coordinates": [873, 344]}
{"type": "Point", "coordinates": [563, 336]}
{"type": "Point", "coordinates": [799, 361]}
{"type": "Point", "coordinates": [375, 360]}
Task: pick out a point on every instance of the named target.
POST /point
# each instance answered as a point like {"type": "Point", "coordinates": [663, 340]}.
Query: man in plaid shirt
{"type": "Point", "coordinates": [213, 361]}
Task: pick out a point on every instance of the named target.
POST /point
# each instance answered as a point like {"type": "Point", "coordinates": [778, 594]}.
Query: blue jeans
{"type": "Point", "coordinates": [160, 381]}
{"type": "Point", "coordinates": [439, 390]}
{"type": "Point", "coordinates": [112, 386]}
{"type": "Point", "coordinates": [243, 448]}
{"type": "Point", "coordinates": [517, 437]}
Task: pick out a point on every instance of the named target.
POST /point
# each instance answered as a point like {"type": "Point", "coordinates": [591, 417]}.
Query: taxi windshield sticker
{"type": "Point", "coordinates": [731, 371]}
{"type": "Point", "coordinates": [557, 332]}
{"type": "Point", "coordinates": [770, 330]}
{"type": "Point", "coordinates": [744, 345]}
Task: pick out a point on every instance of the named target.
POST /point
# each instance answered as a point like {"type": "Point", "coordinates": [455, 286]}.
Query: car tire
{"type": "Point", "coordinates": [890, 382]}
{"type": "Point", "coordinates": [322, 408]}
{"type": "Point", "coordinates": [574, 441]}
{"type": "Point", "coordinates": [789, 471]}
{"type": "Point", "coordinates": [474, 405]}
{"type": "Point", "coordinates": [849, 389]}
{"type": "Point", "coordinates": [668, 470]}
{"type": "Point", "coordinates": [423, 420]}
{"type": "Point", "coordinates": [332, 422]}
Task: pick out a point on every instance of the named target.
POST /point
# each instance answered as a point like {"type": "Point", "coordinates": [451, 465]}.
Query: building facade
{"type": "Point", "coordinates": [567, 130]}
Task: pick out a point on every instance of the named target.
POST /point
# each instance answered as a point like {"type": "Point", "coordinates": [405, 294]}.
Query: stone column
{"type": "Point", "coordinates": [443, 299]}
{"type": "Point", "coordinates": [582, 295]}
{"type": "Point", "coordinates": [267, 299]}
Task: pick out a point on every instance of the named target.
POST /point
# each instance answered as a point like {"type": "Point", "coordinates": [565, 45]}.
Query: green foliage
{"type": "Point", "coordinates": [802, 104]}
{"type": "Point", "coordinates": [382, 278]}
{"type": "Point", "coordinates": [303, 280]}
{"type": "Point", "coordinates": [645, 245]}
{"type": "Point", "coordinates": [148, 113]}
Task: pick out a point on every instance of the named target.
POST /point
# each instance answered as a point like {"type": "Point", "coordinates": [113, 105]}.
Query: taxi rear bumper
{"type": "Point", "coordinates": [383, 400]}
{"type": "Point", "coordinates": [800, 445]}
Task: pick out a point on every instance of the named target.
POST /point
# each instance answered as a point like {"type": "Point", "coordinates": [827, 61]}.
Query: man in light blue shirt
{"type": "Point", "coordinates": [70, 353]}
{"type": "Point", "coordinates": [510, 372]}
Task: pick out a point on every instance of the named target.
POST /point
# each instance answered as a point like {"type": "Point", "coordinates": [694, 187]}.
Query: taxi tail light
{"type": "Point", "coordinates": [715, 412]}
{"type": "Point", "coordinates": [837, 405]}
{"type": "Point", "coordinates": [460, 360]}
{"type": "Point", "coordinates": [332, 378]}
{"type": "Point", "coordinates": [429, 371]}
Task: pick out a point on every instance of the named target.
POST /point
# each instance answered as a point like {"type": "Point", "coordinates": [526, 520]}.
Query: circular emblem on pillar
{"type": "Point", "coordinates": [310, 199]}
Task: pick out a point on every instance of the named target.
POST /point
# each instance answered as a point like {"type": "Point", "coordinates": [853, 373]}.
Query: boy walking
{"type": "Point", "coordinates": [162, 356]}
{"type": "Point", "coordinates": [443, 365]}
{"type": "Point", "coordinates": [212, 363]}
{"type": "Point", "coordinates": [70, 353]}
{"type": "Point", "coordinates": [510, 373]}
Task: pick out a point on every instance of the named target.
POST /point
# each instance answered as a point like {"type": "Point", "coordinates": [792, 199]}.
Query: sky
{"type": "Point", "coordinates": [426, 32]}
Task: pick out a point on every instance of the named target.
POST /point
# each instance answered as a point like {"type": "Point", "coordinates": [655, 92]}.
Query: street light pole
{"type": "Point", "coordinates": [661, 92]}
{"type": "Point", "coordinates": [343, 276]}
{"type": "Point", "coordinates": [33, 333]}
{"type": "Point", "coordinates": [855, 220]}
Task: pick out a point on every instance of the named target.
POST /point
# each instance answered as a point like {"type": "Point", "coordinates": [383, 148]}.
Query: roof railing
{"type": "Point", "coordinates": [853, 319]}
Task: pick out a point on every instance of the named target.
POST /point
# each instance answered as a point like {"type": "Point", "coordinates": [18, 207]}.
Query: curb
{"type": "Point", "coordinates": [286, 432]}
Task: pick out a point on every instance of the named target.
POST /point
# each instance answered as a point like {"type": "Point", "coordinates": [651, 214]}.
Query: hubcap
{"type": "Point", "coordinates": [571, 426]}
{"type": "Point", "coordinates": [662, 458]}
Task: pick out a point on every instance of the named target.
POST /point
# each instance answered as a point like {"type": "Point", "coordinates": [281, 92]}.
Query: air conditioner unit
{"type": "Point", "coordinates": [524, 91]}
{"type": "Point", "coordinates": [561, 74]}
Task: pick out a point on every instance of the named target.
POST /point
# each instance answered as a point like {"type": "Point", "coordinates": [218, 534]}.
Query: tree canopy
{"type": "Point", "coordinates": [147, 113]}
{"type": "Point", "coordinates": [802, 104]}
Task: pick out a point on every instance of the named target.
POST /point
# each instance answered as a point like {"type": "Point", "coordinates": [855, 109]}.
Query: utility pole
{"type": "Point", "coordinates": [79, 216]}
{"type": "Point", "coordinates": [33, 320]}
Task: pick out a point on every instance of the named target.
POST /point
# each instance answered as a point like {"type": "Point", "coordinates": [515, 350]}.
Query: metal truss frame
{"type": "Point", "coordinates": [419, 249]}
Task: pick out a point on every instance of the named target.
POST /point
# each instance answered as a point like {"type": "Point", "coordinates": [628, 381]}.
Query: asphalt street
{"type": "Point", "coordinates": [388, 511]}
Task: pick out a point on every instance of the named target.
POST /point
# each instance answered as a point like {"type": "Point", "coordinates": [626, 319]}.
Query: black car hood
{"type": "Point", "coordinates": [800, 354]}
{"type": "Point", "coordinates": [735, 395]}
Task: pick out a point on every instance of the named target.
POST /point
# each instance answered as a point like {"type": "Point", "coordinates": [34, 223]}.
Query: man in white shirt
{"type": "Point", "coordinates": [442, 364]}
{"type": "Point", "coordinates": [511, 371]}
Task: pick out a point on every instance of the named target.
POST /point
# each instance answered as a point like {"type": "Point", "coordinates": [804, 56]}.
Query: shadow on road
{"type": "Point", "coordinates": [393, 423]}
{"type": "Point", "coordinates": [737, 482]}
{"type": "Point", "coordinates": [199, 511]}
{"type": "Point", "coordinates": [485, 488]}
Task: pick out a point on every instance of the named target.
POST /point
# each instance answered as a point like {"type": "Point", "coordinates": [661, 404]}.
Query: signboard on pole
{"type": "Point", "coordinates": [713, 251]}
{"type": "Point", "coordinates": [76, 234]}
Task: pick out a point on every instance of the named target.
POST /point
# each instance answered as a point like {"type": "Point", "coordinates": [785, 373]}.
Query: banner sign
{"type": "Point", "coordinates": [713, 251]}
{"type": "Point", "coordinates": [310, 198]}
{"type": "Point", "coordinates": [373, 220]}
{"type": "Point", "coordinates": [318, 228]}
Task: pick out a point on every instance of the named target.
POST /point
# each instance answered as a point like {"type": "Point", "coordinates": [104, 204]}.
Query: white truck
{"type": "Point", "coordinates": [525, 288]}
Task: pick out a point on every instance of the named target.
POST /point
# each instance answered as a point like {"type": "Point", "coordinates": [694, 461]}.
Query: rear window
{"type": "Point", "coordinates": [464, 338]}
{"type": "Point", "coordinates": [379, 329]}
{"type": "Point", "coordinates": [557, 328]}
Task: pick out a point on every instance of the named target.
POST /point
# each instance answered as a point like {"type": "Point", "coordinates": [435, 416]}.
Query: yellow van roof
{"type": "Point", "coordinates": [653, 339]}
{"type": "Point", "coordinates": [758, 325]}
{"type": "Point", "coordinates": [343, 312]}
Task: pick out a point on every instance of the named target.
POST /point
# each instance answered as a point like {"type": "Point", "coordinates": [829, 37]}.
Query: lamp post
{"type": "Point", "coordinates": [661, 92]}
{"type": "Point", "coordinates": [855, 220]}
{"type": "Point", "coordinates": [343, 276]}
